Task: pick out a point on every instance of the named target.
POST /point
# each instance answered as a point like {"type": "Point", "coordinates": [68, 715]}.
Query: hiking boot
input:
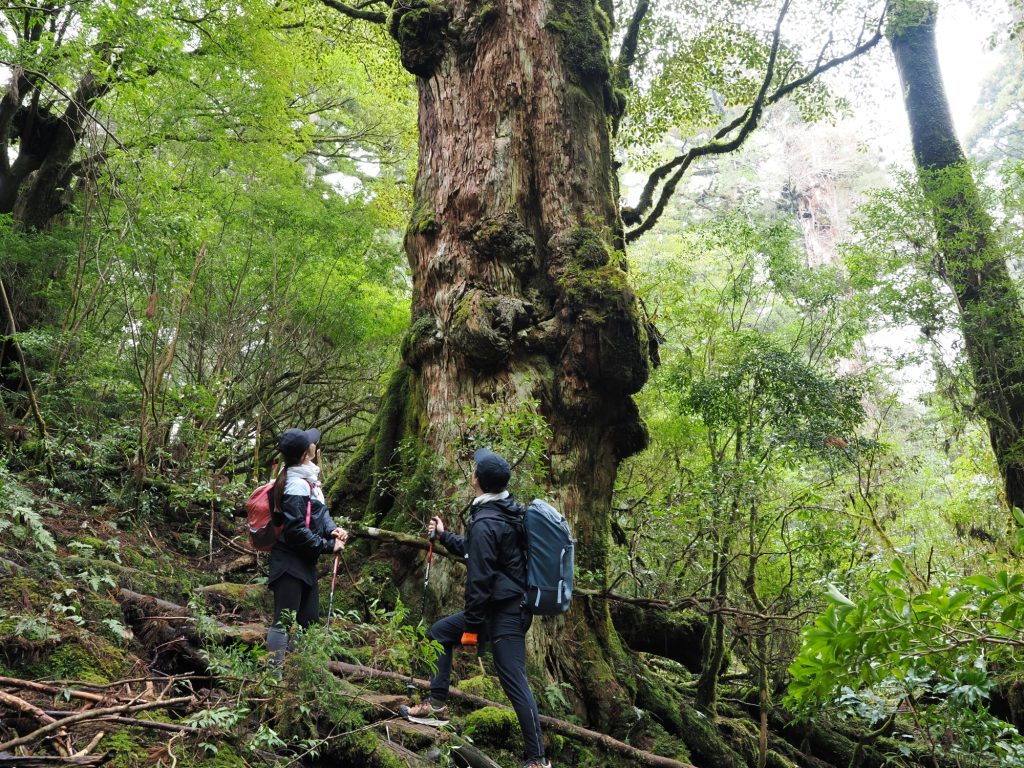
{"type": "Point", "coordinates": [537, 762]}
{"type": "Point", "coordinates": [425, 710]}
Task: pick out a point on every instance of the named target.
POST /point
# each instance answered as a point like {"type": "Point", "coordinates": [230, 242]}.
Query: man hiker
{"type": "Point", "coordinates": [495, 607]}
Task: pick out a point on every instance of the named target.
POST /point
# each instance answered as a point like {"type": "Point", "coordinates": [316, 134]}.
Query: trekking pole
{"type": "Point", "coordinates": [423, 604]}
{"type": "Point", "coordinates": [334, 581]}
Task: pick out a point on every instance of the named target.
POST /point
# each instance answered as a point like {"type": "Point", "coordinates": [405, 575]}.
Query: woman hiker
{"type": "Point", "coordinates": [298, 504]}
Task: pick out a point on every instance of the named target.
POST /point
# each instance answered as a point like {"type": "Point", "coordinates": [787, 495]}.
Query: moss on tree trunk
{"type": "Point", "coordinates": [970, 261]}
{"type": "Point", "coordinates": [521, 300]}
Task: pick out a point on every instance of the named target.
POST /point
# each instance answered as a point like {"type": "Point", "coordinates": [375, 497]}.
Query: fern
{"type": "Point", "coordinates": [19, 520]}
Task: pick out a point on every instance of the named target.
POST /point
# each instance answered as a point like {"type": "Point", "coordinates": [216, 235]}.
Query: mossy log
{"type": "Point", "coordinates": [676, 635]}
{"type": "Point", "coordinates": [181, 623]}
{"type": "Point", "coordinates": [465, 753]}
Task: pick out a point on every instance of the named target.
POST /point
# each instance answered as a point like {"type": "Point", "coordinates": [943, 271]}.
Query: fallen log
{"type": "Point", "coordinates": [33, 761]}
{"type": "Point", "coordinates": [89, 714]}
{"type": "Point", "coordinates": [465, 754]}
{"type": "Point", "coordinates": [32, 685]}
{"type": "Point", "coordinates": [240, 562]}
{"type": "Point", "coordinates": [20, 705]}
{"type": "Point", "coordinates": [153, 608]}
{"type": "Point", "coordinates": [360, 531]}
{"type": "Point", "coordinates": [355, 671]}
{"type": "Point", "coordinates": [407, 756]}
{"type": "Point", "coordinates": [155, 725]}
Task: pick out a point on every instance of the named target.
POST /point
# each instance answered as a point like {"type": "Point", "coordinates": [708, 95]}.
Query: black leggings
{"type": "Point", "coordinates": [292, 594]}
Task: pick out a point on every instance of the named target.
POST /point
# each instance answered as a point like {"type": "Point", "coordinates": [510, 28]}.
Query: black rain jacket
{"type": "Point", "coordinates": [495, 557]}
{"type": "Point", "coordinates": [297, 548]}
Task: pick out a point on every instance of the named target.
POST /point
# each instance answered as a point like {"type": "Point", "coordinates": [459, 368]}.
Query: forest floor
{"type": "Point", "coordinates": [137, 640]}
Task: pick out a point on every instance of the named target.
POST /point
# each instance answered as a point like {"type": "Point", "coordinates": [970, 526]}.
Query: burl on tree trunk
{"type": "Point", "coordinates": [520, 289]}
{"type": "Point", "coordinates": [971, 261]}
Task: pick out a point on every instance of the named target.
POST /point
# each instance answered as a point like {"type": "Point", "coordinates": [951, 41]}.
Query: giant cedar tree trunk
{"type": "Point", "coordinates": [970, 261]}
{"type": "Point", "coordinates": [520, 289]}
{"type": "Point", "coordinates": [35, 185]}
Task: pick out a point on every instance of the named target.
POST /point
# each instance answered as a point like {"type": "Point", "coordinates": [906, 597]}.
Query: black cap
{"type": "Point", "coordinates": [294, 442]}
{"type": "Point", "coordinates": [492, 471]}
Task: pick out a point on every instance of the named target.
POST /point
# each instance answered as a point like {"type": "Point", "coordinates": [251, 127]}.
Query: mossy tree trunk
{"type": "Point", "coordinates": [969, 260]}
{"type": "Point", "coordinates": [520, 293]}
{"type": "Point", "coordinates": [37, 168]}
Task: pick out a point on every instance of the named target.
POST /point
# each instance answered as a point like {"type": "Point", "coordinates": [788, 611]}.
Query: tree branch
{"type": "Point", "coordinates": [89, 714]}
{"type": "Point", "coordinates": [356, 13]}
{"type": "Point", "coordinates": [9, 106]}
{"type": "Point", "coordinates": [32, 685]}
{"type": "Point", "coordinates": [20, 705]}
{"type": "Point", "coordinates": [746, 122]}
{"type": "Point", "coordinates": [627, 53]}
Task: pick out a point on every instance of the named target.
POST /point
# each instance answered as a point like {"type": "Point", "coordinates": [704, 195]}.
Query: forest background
{"type": "Point", "coordinates": [811, 556]}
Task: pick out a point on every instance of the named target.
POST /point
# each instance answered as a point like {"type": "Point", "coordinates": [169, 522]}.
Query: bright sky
{"type": "Point", "coordinates": [966, 58]}
{"type": "Point", "coordinates": [963, 36]}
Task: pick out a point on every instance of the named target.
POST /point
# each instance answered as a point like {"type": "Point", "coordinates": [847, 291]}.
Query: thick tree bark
{"type": "Point", "coordinates": [520, 291]}
{"type": "Point", "coordinates": [35, 186]}
{"type": "Point", "coordinates": [970, 261]}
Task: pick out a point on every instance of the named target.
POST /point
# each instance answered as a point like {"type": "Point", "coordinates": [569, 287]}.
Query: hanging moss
{"type": "Point", "coordinates": [419, 28]}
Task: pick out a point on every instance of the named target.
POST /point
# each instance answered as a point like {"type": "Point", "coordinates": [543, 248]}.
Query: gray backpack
{"type": "Point", "coordinates": [551, 552]}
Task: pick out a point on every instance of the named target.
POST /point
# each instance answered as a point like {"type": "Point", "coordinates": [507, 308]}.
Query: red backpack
{"type": "Point", "coordinates": [262, 531]}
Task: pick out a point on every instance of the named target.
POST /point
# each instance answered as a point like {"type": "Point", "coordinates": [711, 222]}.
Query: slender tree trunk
{"type": "Point", "coordinates": [520, 292]}
{"type": "Point", "coordinates": [970, 260]}
{"type": "Point", "coordinates": [706, 697]}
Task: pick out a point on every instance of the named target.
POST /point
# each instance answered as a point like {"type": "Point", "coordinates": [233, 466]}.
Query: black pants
{"type": "Point", "coordinates": [506, 632]}
{"type": "Point", "coordinates": [292, 594]}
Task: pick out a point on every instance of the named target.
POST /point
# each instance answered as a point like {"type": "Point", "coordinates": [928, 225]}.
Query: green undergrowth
{"type": "Point", "coordinates": [60, 619]}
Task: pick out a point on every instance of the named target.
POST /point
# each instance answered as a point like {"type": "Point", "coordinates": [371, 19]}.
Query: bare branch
{"type": "Point", "coordinates": [356, 13]}
{"type": "Point", "coordinates": [749, 122]}
{"type": "Point", "coordinates": [627, 54]}
{"type": "Point", "coordinates": [91, 714]}
{"type": "Point", "coordinates": [746, 122]}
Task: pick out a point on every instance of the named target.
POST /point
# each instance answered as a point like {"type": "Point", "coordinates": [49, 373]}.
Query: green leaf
{"type": "Point", "coordinates": [834, 595]}
{"type": "Point", "coordinates": [984, 582]}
